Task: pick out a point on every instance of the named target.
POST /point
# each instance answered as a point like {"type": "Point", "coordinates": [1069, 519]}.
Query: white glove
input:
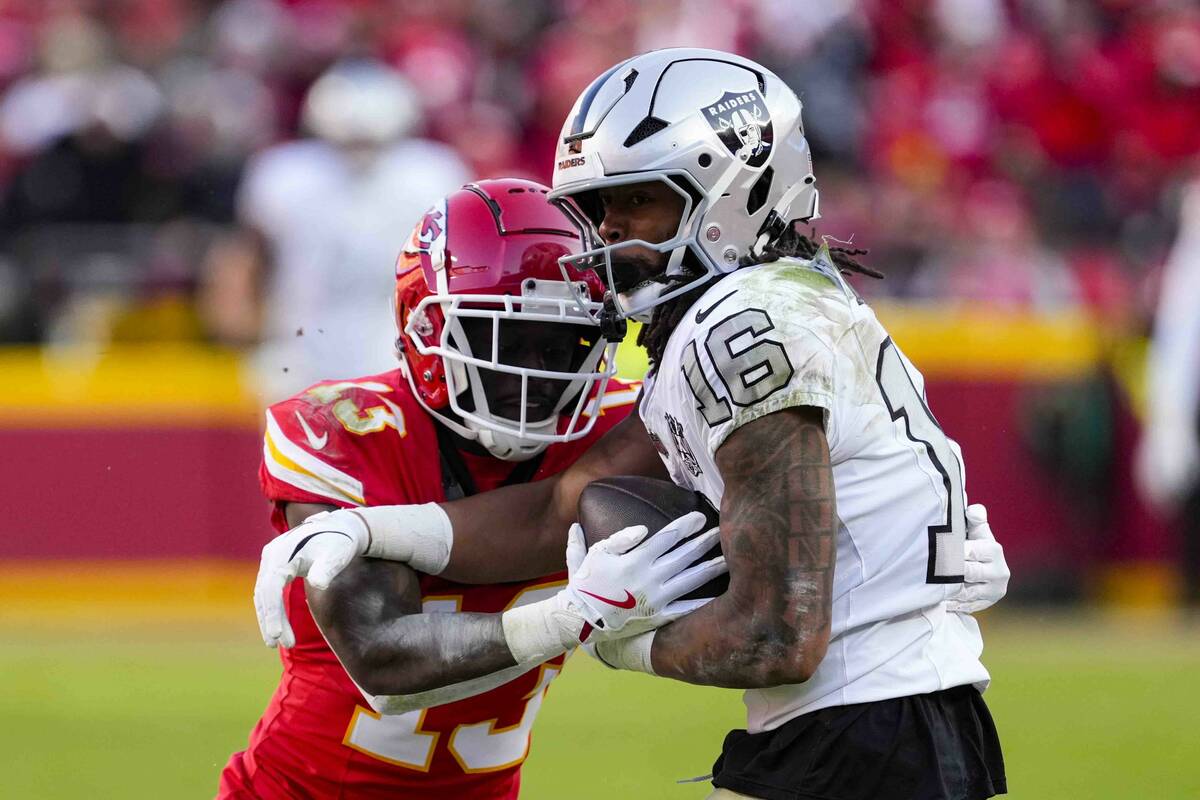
{"type": "Point", "coordinates": [985, 572]}
{"type": "Point", "coordinates": [319, 548]}
{"type": "Point", "coordinates": [316, 550]}
{"type": "Point", "coordinates": [625, 589]}
{"type": "Point", "coordinates": [616, 589]}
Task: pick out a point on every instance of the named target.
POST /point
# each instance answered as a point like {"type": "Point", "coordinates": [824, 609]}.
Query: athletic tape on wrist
{"type": "Point", "coordinates": [419, 535]}
{"type": "Point", "coordinates": [632, 653]}
{"type": "Point", "coordinates": [542, 630]}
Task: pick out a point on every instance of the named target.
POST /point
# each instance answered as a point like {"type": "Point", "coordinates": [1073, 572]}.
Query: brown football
{"type": "Point", "coordinates": [610, 504]}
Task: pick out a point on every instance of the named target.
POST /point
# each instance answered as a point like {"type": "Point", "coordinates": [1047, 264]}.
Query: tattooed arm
{"type": "Point", "coordinates": [778, 526]}
{"type": "Point", "coordinates": [371, 616]}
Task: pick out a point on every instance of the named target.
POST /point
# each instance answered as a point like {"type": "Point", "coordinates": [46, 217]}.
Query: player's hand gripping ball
{"type": "Point", "coordinates": [612, 504]}
{"type": "Point", "coordinates": [633, 582]}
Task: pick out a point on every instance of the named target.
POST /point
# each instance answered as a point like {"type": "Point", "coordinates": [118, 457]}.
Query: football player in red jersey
{"type": "Point", "coordinates": [503, 379]}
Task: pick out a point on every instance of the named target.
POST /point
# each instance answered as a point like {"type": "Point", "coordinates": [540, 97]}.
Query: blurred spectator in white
{"type": "Point", "coordinates": [1168, 461]}
{"type": "Point", "coordinates": [146, 111]}
{"type": "Point", "coordinates": [970, 24]}
{"type": "Point", "coordinates": [310, 273]}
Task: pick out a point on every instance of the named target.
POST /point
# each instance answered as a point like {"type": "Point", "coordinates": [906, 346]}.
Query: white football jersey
{"type": "Point", "coordinates": [793, 333]}
{"type": "Point", "coordinates": [335, 228]}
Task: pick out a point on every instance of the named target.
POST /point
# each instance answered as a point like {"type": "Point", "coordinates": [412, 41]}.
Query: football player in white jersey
{"type": "Point", "coordinates": [319, 216]}
{"type": "Point", "coordinates": [776, 393]}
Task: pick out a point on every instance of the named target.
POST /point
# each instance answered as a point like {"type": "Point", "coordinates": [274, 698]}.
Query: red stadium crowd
{"type": "Point", "coordinates": [1009, 152]}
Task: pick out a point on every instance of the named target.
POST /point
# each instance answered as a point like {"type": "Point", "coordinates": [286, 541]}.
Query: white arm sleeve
{"type": "Point", "coordinates": [402, 703]}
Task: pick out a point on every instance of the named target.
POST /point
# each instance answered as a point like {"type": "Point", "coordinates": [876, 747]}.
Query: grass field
{"type": "Point", "coordinates": [1089, 708]}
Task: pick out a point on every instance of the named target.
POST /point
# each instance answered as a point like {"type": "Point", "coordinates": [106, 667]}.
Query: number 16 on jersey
{"type": "Point", "coordinates": [947, 539]}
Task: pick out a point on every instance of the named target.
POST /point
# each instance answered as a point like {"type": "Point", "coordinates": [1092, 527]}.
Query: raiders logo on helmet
{"type": "Point", "coordinates": [743, 123]}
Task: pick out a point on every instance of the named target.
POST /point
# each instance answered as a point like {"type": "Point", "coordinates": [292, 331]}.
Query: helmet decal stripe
{"type": "Point", "coordinates": [589, 96]}
{"type": "Point", "coordinates": [762, 85]}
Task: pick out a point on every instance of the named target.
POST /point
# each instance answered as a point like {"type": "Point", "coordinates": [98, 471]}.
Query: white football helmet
{"type": "Point", "coordinates": [360, 102]}
{"type": "Point", "coordinates": [721, 130]}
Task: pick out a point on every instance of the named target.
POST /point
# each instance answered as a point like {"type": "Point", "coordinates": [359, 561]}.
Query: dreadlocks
{"type": "Point", "coordinates": [790, 244]}
{"type": "Point", "coordinates": [793, 244]}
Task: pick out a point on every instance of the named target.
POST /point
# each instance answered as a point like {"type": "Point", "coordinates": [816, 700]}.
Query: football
{"type": "Point", "coordinates": [608, 505]}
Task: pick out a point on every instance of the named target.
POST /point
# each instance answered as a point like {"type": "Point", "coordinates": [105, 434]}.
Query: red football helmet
{"type": "Point", "coordinates": [486, 254]}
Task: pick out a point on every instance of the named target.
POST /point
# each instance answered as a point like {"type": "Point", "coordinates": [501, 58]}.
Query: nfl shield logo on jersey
{"type": "Point", "coordinates": [742, 122]}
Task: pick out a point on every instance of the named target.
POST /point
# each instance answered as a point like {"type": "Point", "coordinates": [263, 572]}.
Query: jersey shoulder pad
{"type": "Point", "coordinates": [325, 443]}
{"type": "Point", "coordinates": [795, 292]}
{"type": "Point", "coordinates": [791, 302]}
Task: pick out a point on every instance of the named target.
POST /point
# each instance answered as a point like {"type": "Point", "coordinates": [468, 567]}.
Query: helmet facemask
{"type": "Point", "coordinates": [486, 343]}
{"type": "Point", "coordinates": [636, 296]}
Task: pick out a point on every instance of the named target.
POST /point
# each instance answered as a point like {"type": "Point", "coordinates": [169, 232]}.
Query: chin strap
{"type": "Point", "coordinates": [613, 326]}
{"type": "Point", "coordinates": [456, 477]}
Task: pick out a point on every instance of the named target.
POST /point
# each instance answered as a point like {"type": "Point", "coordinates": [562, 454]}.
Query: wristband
{"type": "Point", "coordinates": [419, 535]}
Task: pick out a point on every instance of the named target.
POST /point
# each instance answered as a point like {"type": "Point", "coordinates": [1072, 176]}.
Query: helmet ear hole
{"type": "Point", "coordinates": [704, 160]}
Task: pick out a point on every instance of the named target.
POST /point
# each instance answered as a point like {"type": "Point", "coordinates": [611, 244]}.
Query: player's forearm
{"type": "Point", "coordinates": [778, 527]}
{"type": "Point", "coordinates": [371, 617]}
{"type": "Point", "coordinates": [510, 534]}
{"type": "Point", "coordinates": [423, 652]}
{"type": "Point", "coordinates": [520, 532]}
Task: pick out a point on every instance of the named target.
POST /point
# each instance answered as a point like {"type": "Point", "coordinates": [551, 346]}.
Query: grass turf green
{"type": "Point", "coordinates": [1086, 708]}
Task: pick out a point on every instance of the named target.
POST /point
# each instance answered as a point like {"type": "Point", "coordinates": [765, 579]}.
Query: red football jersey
{"type": "Point", "coordinates": [368, 442]}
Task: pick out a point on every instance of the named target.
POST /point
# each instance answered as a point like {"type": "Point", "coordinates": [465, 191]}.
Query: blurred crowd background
{"type": "Point", "coordinates": [200, 205]}
{"type": "Point", "coordinates": [170, 173]}
{"type": "Point", "coordinates": [1013, 152]}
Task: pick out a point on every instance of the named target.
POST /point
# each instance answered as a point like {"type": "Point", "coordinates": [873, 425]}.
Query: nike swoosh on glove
{"type": "Point", "coordinates": [616, 589]}
{"type": "Point", "coordinates": [628, 583]}
{"type": "Point", "coordinates": [316, 550]}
